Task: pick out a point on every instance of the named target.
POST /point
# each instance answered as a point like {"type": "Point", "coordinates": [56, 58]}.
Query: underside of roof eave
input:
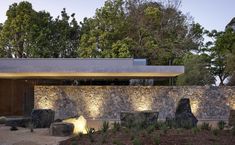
{"type": "Point", "coordinates": [61, 75]}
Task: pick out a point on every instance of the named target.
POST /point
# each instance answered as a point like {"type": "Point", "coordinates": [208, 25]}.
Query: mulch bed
{"type": "Point", "coordinates": [171, 137]}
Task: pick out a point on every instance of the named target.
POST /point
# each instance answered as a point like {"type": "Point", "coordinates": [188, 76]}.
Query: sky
{"type": "Point", "coordinates": [211, 14]}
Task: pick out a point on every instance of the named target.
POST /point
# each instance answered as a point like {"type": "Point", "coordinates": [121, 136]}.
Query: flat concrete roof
{"type": "Point", "coordinates": [79, 68]}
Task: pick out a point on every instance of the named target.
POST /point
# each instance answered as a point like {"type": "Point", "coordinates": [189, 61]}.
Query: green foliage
{"type": "Point", "coordinates": [221, 124]}
{"type": "Point", "coordinates": [136, 141]}
{"type": "Point", "coordinates": [205, 126]}
{"type": "Point", "coordinates": [105, 126]}
{"type": "Point", "coordinates": [197, 70]}
{"type": "Point", "coordinates": [223, 53]}
{"type": "Point", "coordinates": [28, 33]}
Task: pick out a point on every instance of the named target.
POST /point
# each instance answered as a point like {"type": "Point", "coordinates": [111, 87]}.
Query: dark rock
{"type": "Point", "coordinates": [143, 118]}
{"type": "Point", "coordinates": [231, 120]}
{"type": "Point", "coordinates": [18, 122]}
{"type": "Point", "coordinates": [184, 116]}
{"type": "Point", "coordinates": [61, 129]}
{"type": "Point", "coordinates": [42, 118]}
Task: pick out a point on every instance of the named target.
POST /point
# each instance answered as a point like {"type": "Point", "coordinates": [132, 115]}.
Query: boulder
{"type": "Point", "coordinates": [3, 120]}
{"type": "Point", "coordinates": [42, 118]}
{"type": "Point", "coordinates": [184, 116]}
{"type": "Point", "coordinates": [231, 120]}
{"type": "Point", "coordinates": [61, 129]}
{"type": "Point", "coordinates": [18, 122]}
{"type": "Point", "coordinates": [143, 118]}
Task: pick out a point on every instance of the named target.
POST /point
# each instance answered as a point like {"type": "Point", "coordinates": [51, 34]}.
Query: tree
{"type": "Point", "coordinates": [16, 29]}
{"type": "Point", "coordinates": [28, 33]}
{"type": "Point", "coordinates": [222, 52]}
{"type": "Point", "coordinates": [105, 34]}
{"type": "Point", "coordinates": [141, 29]}
{"type": "Point", "coordinates": [197, 70]}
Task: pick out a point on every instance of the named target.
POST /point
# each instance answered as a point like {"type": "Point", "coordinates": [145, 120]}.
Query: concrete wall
{"type": "Point", "coordinates": [105, 102]}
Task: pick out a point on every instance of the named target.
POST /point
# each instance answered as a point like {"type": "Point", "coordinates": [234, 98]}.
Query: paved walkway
{"type": "Point", "coordinates": [23, 136]}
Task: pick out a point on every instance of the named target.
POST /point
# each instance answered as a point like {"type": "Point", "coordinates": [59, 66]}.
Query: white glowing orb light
{"type": "Point", "coordinates": [79, 123]}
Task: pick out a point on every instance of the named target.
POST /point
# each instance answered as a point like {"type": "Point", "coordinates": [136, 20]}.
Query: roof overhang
{"type": "Point", "coordinates": [89, 68]}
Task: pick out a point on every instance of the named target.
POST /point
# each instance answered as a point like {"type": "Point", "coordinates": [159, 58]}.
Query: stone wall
{"type": "Point", "coordinates": [106, 102]}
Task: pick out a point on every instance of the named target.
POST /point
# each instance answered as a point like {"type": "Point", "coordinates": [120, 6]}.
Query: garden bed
{"type": "Point", "coordinates": [153, 135]}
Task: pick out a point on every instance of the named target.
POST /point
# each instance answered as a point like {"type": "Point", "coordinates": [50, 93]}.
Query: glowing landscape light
{"type": "Point", "coordinates": [80, 124]}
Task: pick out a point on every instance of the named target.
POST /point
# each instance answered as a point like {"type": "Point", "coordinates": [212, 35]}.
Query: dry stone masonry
{"type": "Point", "coordinates": [106, 102]}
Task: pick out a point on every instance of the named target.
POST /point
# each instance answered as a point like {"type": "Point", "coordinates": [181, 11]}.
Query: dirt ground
{"type": "Point", "coordinates": [23, 136]}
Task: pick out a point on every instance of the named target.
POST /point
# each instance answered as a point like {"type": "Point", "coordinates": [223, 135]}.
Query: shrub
{"type": "Point", "coordinates": [3, 120]}
{"type": "Point", "coordinates": [215, 132]}
{"type": "Point", "coordinates": [105, 126]}
{"type": "Point", "coordinates": [205, 126]}
{"type": "Point", "coordinates": [221, 124]}
{"type": "Point", "coordinates": [136, 141]}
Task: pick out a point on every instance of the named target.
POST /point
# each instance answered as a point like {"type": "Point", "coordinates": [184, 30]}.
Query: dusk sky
{"type": "Point", "coordinates": [211, 14]}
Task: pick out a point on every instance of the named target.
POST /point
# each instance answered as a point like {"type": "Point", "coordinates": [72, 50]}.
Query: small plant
{"type": "Point", "coordinates": [74, 141]}
{"type": "Point", "coordinates": [150, 129]}
{"type": "Point", "coordinates": [136, 141]}
{"type": "Point", "coordinates": [164, 128]}
{"type": "Point", "coordinates": [157, 140]}
{"type": "Point", "coordinates": [3, 120]}
{"type": "Point", "coordinates": [215, 132]}
{"type": "Point", "coordinates": [233, 131]}
{"type": "Point", "coordinates": [80, 134]}
{"type": "Point", "coordinates": [90, 132]}
{"type": "Point", "coordinates": [205, 126]}
{"type": "Point", "coordinates": [105, 126]}
{"type": "Point", "coordinates": [170, 122]}
{"type": "Point", "coordinates": [179, 130]}
{"type": "Point", "coordinates": [221, 124]}
{"type": "Point", "coordinates": [116, 142]}
{"type": "Point", "coordinates": [186, 124]}
{"type": "Point", "coordinates": [159, 124]}
{"type": "Point", "coordinates": [116, 126]}
{"type": "Point", "coordinates": [31, 126]}
{"type": "Point", "coordinates": [104, 138]}
{"type": "Point", "coordinates": [13, 128]}
{"type": "Point", "coordinates": [195, 130]}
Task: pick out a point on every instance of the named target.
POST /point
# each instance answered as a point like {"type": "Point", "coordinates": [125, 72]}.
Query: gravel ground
{"type": "Point", "coordinates": [23, 136]}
